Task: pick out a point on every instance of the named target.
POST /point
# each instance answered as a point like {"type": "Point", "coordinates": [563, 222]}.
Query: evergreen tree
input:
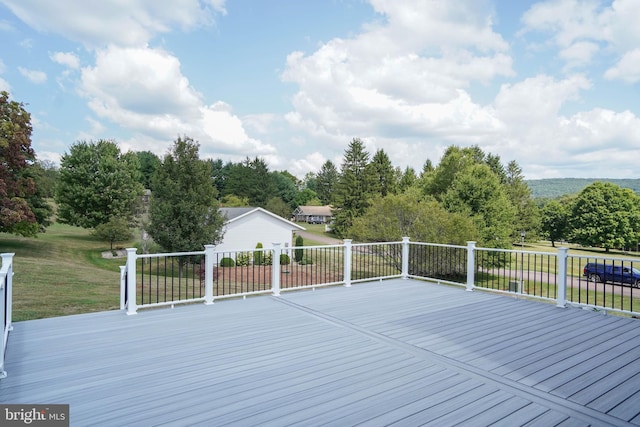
{"type": "Point", "coordinates": [326, 181]}
{"type": "Point", "coordinates": [353, 189]}
{"type": "Point", "coordinates": [219, 174]}
{"type": "Point", "coordinates": [383, 174]}
{"type": "Point", "coordinates": [184, 213]}
{"type": "Point", "coordinates": [527, 215]}
{"type": "Point", "coordinates": [148, 163]}
{"type": "Point", "coordinates": [407, 179]}
{"type": "Point", "coordinates": [251, 179]}
{"type": "Point", "coordinates": [286, 190]}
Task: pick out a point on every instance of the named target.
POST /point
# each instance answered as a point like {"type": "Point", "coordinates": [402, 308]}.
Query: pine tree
{"type": "Point", "coordinates": [184, 212]}
{"type": "Point", "coordinates": [326, 181]}
{"type": "Point", "coordinates": [383, 175]}
{"type": "Point", "coordinates": [353, 189]}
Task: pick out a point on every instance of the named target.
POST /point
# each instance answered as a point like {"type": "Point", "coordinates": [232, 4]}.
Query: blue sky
{"type": "Point", "coordinates": [553, 85]}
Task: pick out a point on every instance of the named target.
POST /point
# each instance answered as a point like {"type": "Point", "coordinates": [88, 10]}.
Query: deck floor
{"type": "Point", "coordinates": [398, 352]}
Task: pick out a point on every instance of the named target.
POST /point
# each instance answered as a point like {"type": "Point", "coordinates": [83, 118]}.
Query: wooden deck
{"type": "Point", "coordinates": [401, 352]}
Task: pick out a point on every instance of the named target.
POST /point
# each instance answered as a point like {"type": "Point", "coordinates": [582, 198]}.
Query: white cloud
{"type": "Point", "coordinates": [4, 85]}
{"type": "Point", "coordinates": [67, 59]}
{"type": "Point", "coordinates": [139, 88]}
{"type": "Point", "coordinates": [97, 24]}
{"type": "Point", "coordinates": [582, 29]}
{"type": "Point", "coordinates": [6, 26]}
{"type": "Point", "coordinates": [627, 69]}
{"type": "Point", "coordinates": [536, 100]}
{"type": "Point", "coordinates": [579, 54]}
{"type": "Point", "coordinates": [34, 76]}
{"type": "Point", "coordinates": [143, 91]}
{"type": "Point", "coordinates": [405, 79]}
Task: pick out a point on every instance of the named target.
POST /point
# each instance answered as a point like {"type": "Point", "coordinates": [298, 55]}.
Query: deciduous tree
{"type": "Point", "coordinates": [23, 209]}
{"type": "Point", "coordinates": [116, 230]}
{"type": "Point", "coordinates": [604, 216]}
{"type": "Point", "coordinates": [476, 191]}
{"type": "Point", "coordinates": [555, 220]}
{"type": "Point", "coordinates": [97, 182]}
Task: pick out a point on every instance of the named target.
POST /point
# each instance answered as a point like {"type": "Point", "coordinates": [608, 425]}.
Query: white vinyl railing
{"type": "Point", "coordinates": [6, 295]}
{"type": "Point", "coordinates": [540, 275]}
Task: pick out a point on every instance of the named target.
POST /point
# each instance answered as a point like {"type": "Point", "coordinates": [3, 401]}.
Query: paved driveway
{"type": "Point", "coordinates": [319, 238]}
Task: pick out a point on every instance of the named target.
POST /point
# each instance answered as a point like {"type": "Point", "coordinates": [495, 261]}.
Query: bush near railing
{"type": "Point", "coordinates": [208, 275]}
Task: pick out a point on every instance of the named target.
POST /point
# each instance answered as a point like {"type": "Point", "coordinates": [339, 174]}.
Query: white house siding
{"type": "Point", "coordinates": [244, 233]}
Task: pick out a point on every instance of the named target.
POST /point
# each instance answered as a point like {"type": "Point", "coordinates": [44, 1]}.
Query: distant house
{"type": "Point", "coordinates": [246, 227]}
{"type": "Point", "coordinates": [313, 214]}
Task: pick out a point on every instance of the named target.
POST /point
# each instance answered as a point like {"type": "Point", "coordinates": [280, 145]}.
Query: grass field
{"type": "Point", "coordinates": [61, 272]}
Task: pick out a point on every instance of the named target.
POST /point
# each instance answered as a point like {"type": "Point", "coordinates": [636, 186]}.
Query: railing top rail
{"type": "Point", "coordinates": [518, 250]}
{"type": "Point", "coordinates": [158, 255]}
{"type": "Point", "coordinates": [340, 245]}
{"type": "Point", "coordinates": [437, 244]}
{"type": "Point", "coordinates": [604, 258]}
{"type": "Point", "coordinates": [377, 243]}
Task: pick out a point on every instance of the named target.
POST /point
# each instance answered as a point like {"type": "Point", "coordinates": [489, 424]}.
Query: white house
{"type": "Point", "coordinates": [246, 227]}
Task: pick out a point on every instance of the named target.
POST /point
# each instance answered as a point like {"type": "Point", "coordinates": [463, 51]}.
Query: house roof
{"type": "Point", "coordinates": [314, 210]}
{"type": "Point", "coordinates": [234, 214]}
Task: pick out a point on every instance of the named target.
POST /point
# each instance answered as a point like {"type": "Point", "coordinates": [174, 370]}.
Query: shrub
{"type": "Point", "coordinates": [227, 262]}
{"type": "Point", "coordinates": [298, 253]}
{"type": "Point", "coordinates": [285, 259]}
{"type": "Point", "coordinates": [305, 261]}
{"type": "Point", "coordinates": [258, 256]}
{"type": "Point", "coordinates": [243, 259]}
{"type": "Point", "coordinates": [268, 258]}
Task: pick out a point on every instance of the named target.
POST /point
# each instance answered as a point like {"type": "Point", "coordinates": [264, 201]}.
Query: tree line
{"type": "Point", "coordinates": [468, 195]}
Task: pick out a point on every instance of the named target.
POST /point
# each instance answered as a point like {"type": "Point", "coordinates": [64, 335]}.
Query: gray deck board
{"type": "Point", "coordinates": [398, 352]}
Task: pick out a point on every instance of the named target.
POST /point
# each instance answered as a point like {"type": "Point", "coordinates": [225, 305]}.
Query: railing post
{"type": "Point", "coordinates": [405, 258]}
{"type": "Point", "coordinates": [131, 281]}
{"type": "Point", "coordinates": [208, 273]}
{"type": "Point", "coordinates": [347, 262]}
{"type": "Point", "coordinates": [123, 287]}
{"type": "Point", "coordinates": [5, 310]}
{"type": "Point", "coordinates": [8, 258]}
{"type": "Point", "coordinates": [471, 268]}
{"type": "Point", "coordinates": [563, 253]}
{"type": "Point", "coordinates": [275, 269]}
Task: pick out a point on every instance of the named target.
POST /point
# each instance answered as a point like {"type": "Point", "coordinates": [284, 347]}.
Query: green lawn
{"type": "Point", "coordinates": [61, 272]}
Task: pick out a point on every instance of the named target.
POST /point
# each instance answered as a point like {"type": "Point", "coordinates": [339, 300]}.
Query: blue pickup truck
{"type": "Point", "coordinates": [612, 273]}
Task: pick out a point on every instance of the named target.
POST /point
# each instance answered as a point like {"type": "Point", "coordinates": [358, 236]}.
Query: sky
{"type": "Point", "coordinates": [553, 85]}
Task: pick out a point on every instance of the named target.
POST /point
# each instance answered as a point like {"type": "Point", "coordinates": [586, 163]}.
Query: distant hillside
{"type": "Point", "coordinates": [554, 187]}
